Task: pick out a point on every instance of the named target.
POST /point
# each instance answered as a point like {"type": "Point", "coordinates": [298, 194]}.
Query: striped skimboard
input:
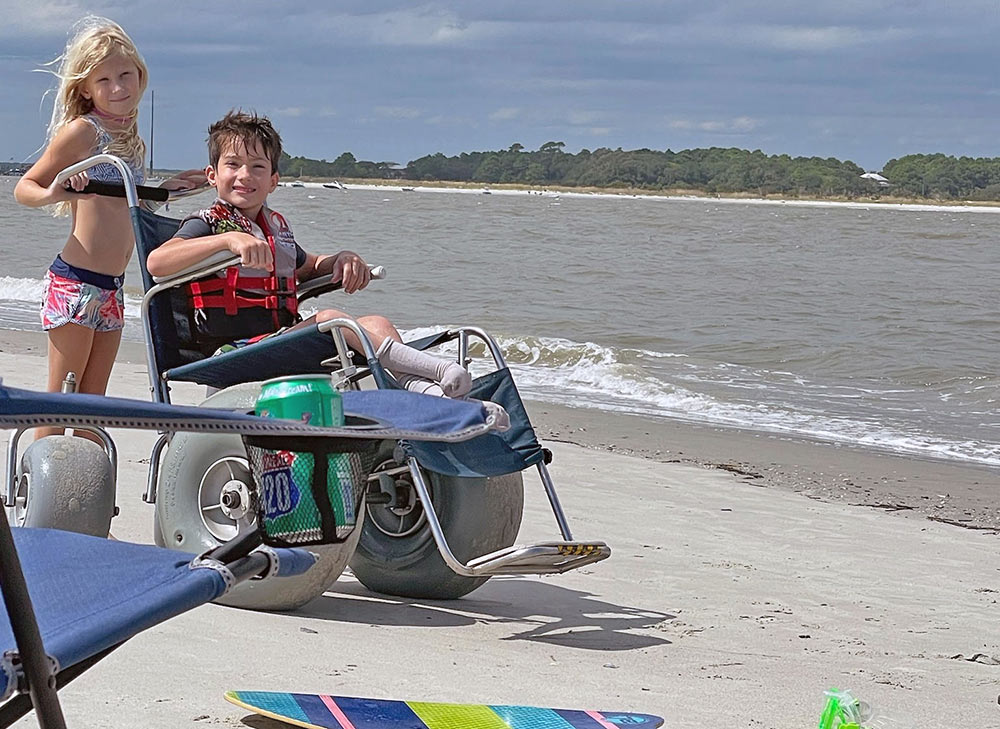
{"type": "Point", "coordinates": [319, 711]}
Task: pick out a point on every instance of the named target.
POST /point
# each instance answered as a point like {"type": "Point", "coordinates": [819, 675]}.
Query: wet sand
{"type": "Point", "coordinates": [964, 495]}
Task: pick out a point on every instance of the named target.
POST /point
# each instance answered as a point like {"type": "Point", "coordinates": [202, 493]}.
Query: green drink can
{"type": "Point", "coordinates": [288, 493]}
{"type": "Point", "coordinates": [310, 398]}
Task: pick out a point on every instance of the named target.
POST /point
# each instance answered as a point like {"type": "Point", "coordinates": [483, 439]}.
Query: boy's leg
{"type": "Point", "coordinates": [377, 327]}
{"type": "Point", "coordinates": [454, 380]}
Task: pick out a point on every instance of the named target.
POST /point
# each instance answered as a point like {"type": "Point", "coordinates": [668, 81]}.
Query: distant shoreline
{"type": "Point", "coordinates": [886, 203]}
{"type": "Point", "coordinates": [892, 203]}
{"type": "Point", "coordinates": [637, 194]}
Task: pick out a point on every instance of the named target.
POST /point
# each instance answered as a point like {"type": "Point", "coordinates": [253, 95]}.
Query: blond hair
{"type": "Point", "coordinates": [92, 41]}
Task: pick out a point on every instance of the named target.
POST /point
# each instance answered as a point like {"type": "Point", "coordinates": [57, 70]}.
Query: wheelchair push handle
{"type": "Point", "coordinates": [108, 189]}
{"type": "Point", "coordinates": [325, 284]}
{"type": "Point", "coordinates": [138, 192]}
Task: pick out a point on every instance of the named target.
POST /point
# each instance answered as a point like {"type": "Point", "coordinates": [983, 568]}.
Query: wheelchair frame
{"type": "Point", "coordinates": [540, 558]}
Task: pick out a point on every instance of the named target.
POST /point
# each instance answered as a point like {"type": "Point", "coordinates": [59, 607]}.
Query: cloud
{"type": "Point", "coordinates": [507, 113]}
{"type": "Point", "coordinates": [737, 125]}
{"type": "Point", "coordinates": [397, 112]}
{"type": "Point", "coordinates": [422, 26]}
{"type": "Point", "coordinates": [481, 75]}
{"type": "Point", "coordinates": [40, 19]}
{"type": "Point", "coordinates": [584, 118]}
{"type": "Point", "coordinates": [820, 39]}
{"type": "Point", "coordinates": [292, 111]}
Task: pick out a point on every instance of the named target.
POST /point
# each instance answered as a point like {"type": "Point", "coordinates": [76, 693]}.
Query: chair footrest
{"type": "Point", "coordinates": [540, 559]}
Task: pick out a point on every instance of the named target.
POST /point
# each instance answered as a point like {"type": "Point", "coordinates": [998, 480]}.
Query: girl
{"type": "Point", "coordinates": [101, 80]}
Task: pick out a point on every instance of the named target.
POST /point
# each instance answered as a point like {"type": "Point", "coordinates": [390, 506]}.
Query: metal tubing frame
{"type": "Point", "coordinates": [348, 370]}
{"type": "Point", "coordinates": [161, 392]}
{"type": "Point", "coordinates": [38, 668]}
{"type": "Point", "coordinates": [432, 521]}
{"type": "Point", "coordinates": [463, 334]}
{"type": "Point", "coordinates": [42, 675]}
{"type": "Point", "coordinates": [8, 498]}
{"type": "Point", "coordinates": [557, 510]}
{"type": "Point", "coordinates": [366, 344]}
{"type": "Point", "coordinates": [157, 384]}
{"type": "Point", "coordinates": [153, 475]}
{"type": "Point", "coordinates": [131, 196]}
{"type": "Point", "coordinates": [109, 448]}
{"type": "Point", "coordinates": [19, 705]}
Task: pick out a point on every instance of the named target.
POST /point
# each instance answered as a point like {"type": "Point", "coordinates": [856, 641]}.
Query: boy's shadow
{"type": "Point", "coordinates": [535, 610]}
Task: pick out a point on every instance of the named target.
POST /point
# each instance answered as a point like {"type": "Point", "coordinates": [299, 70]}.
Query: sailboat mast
{"type": "Point", "coordinates": [152, 108]}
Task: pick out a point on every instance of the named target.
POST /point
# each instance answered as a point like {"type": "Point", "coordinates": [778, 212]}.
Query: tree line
{"type": "Point", "coordinates": [711, 171]}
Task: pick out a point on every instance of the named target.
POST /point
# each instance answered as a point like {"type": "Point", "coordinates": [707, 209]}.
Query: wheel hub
{"type": "Point", "coordinates": [235, 500]}
{"type": "Point", "coordinates": [225, 499]}
{"type": "Point", "coordinates": [21, 498]}
{"type": "Point", "coordinates": [398, 513]}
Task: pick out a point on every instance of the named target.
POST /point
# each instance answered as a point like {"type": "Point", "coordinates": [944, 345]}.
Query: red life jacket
{"type": "Point", "coordinates": [239, 287]}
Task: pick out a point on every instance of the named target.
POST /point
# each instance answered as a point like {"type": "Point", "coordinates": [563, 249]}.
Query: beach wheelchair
{"type": "Point", "coordinates": [71, 599]}
{"type": "Point", "coordinates": [439, 521]}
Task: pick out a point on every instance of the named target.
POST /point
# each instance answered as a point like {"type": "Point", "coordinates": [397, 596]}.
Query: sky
{"type": "Point", "coordinates": [393, 81]}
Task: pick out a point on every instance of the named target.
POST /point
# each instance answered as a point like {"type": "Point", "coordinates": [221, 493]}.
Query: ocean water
{"type": "Point", "coordinates": [873, 326]}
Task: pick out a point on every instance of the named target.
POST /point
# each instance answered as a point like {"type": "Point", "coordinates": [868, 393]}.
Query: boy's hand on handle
{"type": "Point", "coordinates": [253, 252]}
{"type": "Point", "coordinates": [350, 269]}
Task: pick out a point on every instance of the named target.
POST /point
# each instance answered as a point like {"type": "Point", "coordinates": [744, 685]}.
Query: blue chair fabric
{"type": "Point", "coordinates": [493, 454]}
{"type": "Point", "coordinates": [90, 594]}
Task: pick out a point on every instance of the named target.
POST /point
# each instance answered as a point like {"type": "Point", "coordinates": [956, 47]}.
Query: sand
{"type": "Point", "coordinates": [749, 574]}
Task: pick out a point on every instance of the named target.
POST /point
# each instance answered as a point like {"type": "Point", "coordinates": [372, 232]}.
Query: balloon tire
{"type": "Point", "coordinates": [69, 484]}
{"type": "Point", "coordinates": [179, 523]}
{"type": "Point", "coordinates": [478, 516]}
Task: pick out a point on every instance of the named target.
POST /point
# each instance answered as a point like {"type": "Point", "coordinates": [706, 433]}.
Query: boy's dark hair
{"type": "Point", "coordinates": [243, 128]}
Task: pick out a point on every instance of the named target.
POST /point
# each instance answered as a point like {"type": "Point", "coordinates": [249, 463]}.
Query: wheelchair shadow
{"type": "Point", "coordinates": [534, 610]}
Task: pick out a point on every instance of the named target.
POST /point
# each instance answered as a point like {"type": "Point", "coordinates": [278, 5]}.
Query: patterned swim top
{"type": "Point", "coordinates": [107, 172]}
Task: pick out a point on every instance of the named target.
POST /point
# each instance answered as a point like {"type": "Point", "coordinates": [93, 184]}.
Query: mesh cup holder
{"type": "Point", "coordinates": [308, 490]}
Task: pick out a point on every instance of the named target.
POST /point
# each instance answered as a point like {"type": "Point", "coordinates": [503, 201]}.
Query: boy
{"type": "Point", "coordinates": [257, 298]}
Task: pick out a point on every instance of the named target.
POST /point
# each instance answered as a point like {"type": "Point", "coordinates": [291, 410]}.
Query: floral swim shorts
{"type": "Point", "coordinates": [68, 299]}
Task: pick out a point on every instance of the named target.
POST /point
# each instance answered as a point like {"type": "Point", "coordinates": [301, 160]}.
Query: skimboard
{"type": "Point", "coordinates": [319, 711]}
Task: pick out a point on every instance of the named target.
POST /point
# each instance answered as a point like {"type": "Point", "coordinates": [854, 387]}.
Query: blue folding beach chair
{"type": "Point", "coordinates": [71, 599]}
{"type": "Point", "coordinates": [439, 520]}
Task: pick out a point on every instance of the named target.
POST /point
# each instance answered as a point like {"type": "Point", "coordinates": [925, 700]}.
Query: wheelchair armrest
{"type": "Point", "coordinates": [216, 262]}
{"type": "Point", "coordinates": [325, 284]}
{"type": "Point", "coordinates": [462, 334]}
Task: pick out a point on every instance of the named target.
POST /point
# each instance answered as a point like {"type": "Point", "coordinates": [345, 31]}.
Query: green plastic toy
{"type": "Point", "coordinates": [842, 711]}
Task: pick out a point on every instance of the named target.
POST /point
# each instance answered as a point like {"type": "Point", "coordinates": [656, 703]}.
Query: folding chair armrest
{"type": "Point", "coordinates": [462, 334]}
{"type": "Point", "coordinates": [218, 261]}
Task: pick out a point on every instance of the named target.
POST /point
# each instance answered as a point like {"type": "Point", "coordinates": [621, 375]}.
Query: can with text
{"type": "Point", "coordinates": [286, 489]}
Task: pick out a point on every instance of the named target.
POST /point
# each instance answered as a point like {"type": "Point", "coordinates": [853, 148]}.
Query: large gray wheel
{"type": "Point", "coordinates": [197, 469]}
{"type": "Point", "coordinates": [397, 554]}
{"type": "Point", "coordinates": [65, 482]}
